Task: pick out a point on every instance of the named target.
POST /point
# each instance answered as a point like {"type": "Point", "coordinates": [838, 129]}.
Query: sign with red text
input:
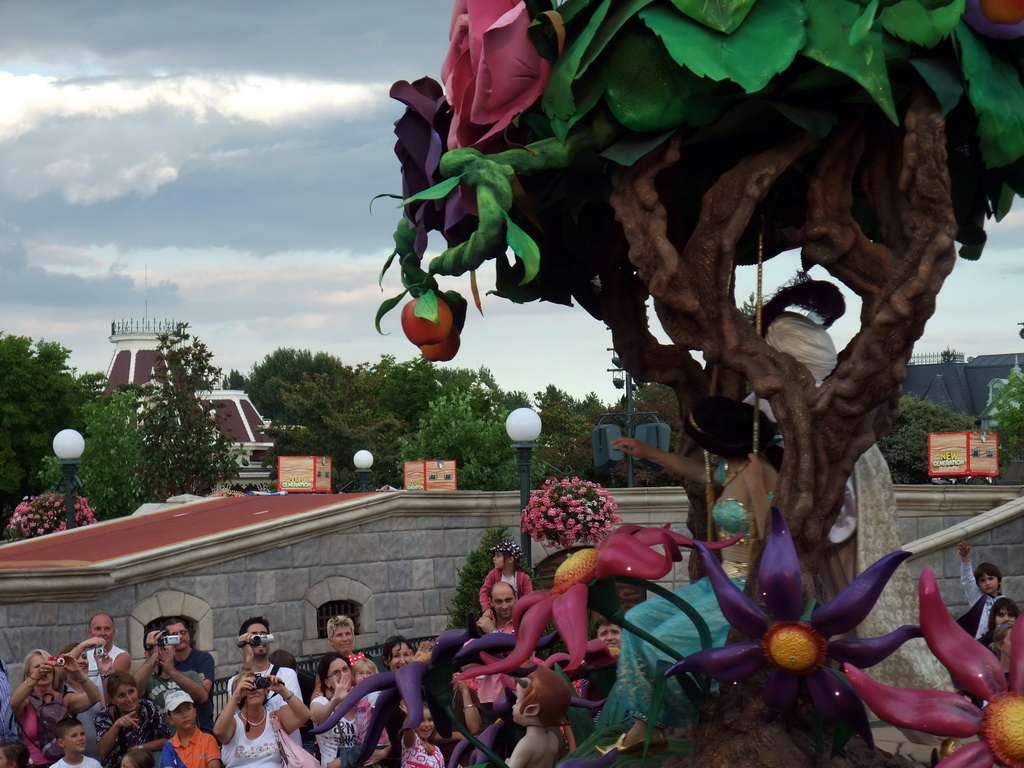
{"type": "Point", "coordinates": [963, 454]}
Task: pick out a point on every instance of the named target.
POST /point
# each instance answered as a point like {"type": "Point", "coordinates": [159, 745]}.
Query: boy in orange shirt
{"type": "Point", "coordinates": [188, 747]}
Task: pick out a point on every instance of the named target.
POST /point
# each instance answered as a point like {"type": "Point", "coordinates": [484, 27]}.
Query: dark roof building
{"type": "Point", "coordinates": [964, 387]}
{"type": "Point", "coordinates": [135, 353]}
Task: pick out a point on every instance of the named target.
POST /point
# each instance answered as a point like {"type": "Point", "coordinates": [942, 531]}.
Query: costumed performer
{"type": "Point", "coordinates": [867, 527]}
{"type": "Point", "coordinates": [723, 428]}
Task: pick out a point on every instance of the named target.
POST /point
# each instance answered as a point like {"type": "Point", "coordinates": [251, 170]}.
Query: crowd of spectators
{"type": "Point", "coordinates": [89, 708]}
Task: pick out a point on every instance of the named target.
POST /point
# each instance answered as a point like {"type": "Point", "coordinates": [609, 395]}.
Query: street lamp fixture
{"type": "Point", "coordinates": [68, 444]}
{"type": "Point", "coordinates": [523, 427]}
{"type": "Point", "coordinates": [363, 461]}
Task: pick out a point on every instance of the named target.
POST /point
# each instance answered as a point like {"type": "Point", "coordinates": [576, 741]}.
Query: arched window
{"type": "Point", "coordinates": [158, 623]}
{"type": "Point", "coordinates": [153, 611]}
{"type": "Point", "coordinates": [337, 596]}
{"type": "Point", "coordinates": [327, 611]}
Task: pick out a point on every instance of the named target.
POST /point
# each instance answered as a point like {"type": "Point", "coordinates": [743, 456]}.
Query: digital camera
{"type": "Point", "coordinates": [256, 641]}
{"type": "Point", "coordinates": [260, 683]}
{"type": "Point", "coordinates": [57, 661]}
{"type": "Point", "coordinates": [163, 641]}
{"type": "Point", "coordinates": [99, 652]}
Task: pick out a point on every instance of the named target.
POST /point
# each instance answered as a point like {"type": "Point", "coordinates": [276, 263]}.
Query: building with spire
{"type": "Point", "coordinates": [135, 355]}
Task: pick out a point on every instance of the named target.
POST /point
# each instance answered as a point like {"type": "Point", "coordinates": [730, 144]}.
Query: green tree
{"type": "Point", "coordinates": [471, 575]}
{"type": "Point", "coordinates": [40, 394]}
{"type": "Point", "coordinates": [234, 380]}
{"type": "Point", "coordinates": [184, 450]}
{"type": "Point", "coordinates": [112, 464]}
{"type": "Point", "coordinates": [281, 367]}
{"type": "Point", "coordinates": [1008, 405]}
{"type": "Point", "coordinates": [906, 447]}
{"type": "Point", "coordinates": [950, 355]}
{"type": "Point", "coordinates": [564, 445]}
{"type": "Point", "coordinates": [466, 426]}
{"type": "Point", "coordinates": [402, 390]}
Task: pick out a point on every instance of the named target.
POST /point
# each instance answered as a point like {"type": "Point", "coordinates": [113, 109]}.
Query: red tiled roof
{"type": "Point", "coordinates": [255, 422]}
{"type": "Point", "coordinates": [119, 370]}
{"type": "Point", "coordinates": [141, 533]}
{"type": "Point", "coordinates": [230, 419]}
{"type": "Point", "coordinates": [145, 362]}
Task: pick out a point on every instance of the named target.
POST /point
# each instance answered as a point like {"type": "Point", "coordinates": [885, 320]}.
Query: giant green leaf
{"type": "Point", "coordinates": [558, 101]}
{"type": "Point", "coordinates": [648, 92]}
{"type": "Point", "coordinates": [863, 25]}
{"type": "Point", "coordinates": [765, 45]}
{"type": "Point", "coordinates": [829, 25]}
{"type": "Point", "coordinates": [944, 80]}
{"type": "Point", "coordinates": [995, 92]}
{"type": "Point", "coordinates": [524, 247]}
{"type": "Point", "coordinates": [618, 15]}
{"type": "Point", "coordinates": [723, 15]}
{"type": "Point", "coordinates": [909, 21]}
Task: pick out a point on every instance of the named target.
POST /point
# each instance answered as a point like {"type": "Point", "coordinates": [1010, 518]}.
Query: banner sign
{"type": "Point", "coordinates": [304, 474]}
{"type": "Point", "coordinates": [963, 454]}
{"type": "Point", "coordinates": [434, 475]}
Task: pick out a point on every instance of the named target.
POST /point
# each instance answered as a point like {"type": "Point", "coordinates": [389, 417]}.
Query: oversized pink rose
{"type": "Point", "coordinates": [493, 71]}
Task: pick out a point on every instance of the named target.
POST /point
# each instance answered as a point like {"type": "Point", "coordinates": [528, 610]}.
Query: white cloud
{"type": "Point", "coordinates": [32, 100]}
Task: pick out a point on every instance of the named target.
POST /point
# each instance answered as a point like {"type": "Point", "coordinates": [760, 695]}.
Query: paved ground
{"type": "Point", "coordinates": [895, 742]}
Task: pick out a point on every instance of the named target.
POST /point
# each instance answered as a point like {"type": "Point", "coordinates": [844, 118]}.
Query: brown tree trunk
{"type": "Point", "coordinates": [903, 174]}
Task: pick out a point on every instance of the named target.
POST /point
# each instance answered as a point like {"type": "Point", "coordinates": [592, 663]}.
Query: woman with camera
{"type": "Point", "coordinates": [40, 687]}
{"type": "Point", "coordinates": [243, 727]}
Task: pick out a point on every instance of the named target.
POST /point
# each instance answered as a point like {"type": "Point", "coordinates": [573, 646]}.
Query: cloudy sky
{"type": "Point", "coordinates": [215, 162]}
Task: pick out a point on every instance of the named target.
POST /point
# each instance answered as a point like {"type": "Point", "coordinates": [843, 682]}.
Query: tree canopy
{"type": "Point", "coordinates": [184, 450]}
{"type": "Point", "coordinates": [906, 447]}
{"type": "Point", "coordinates": [1008, 405]}
{"type": "Point", "coordinates": [40, 394]}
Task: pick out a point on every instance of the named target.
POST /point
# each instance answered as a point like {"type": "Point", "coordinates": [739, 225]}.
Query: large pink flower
{"type": "Point", "coordinates": [629, 550]}
{"type": "Point", "coordinates": [493, 71]}
{"type": "Point", "coordinates": [999, 726]}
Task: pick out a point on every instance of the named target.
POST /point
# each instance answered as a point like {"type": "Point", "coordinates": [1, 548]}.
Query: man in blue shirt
{"type": "Point", "coordinates": [8, 725]}
{"type": "Point", "coordinates": [190, 659]}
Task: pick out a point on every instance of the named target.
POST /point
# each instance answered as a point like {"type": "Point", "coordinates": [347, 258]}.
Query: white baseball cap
{"type": "Point", "coordinates": [175, 699]}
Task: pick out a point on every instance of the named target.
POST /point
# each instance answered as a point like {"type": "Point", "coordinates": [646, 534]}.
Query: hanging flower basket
{"type": "Point", "coordinates": [46, 513]}
{"type": "Point", "coordinates": [570, 512]}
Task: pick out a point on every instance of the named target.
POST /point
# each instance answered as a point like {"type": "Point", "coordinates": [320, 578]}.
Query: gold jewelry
{"type": "Point", "coordinates": [735, 472]}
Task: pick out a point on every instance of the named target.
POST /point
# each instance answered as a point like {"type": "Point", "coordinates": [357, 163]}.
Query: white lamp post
{"type": "Point", "coordinates": [523, 427]}
{"type": "Point", "coordinates": [68, 444]}
{"type": "Point", "coordinates": [363, 461]}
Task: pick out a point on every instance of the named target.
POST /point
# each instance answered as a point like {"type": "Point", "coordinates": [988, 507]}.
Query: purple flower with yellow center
{"type": "Point", "coordinates": [797, 649]}
{"type": "Point", "coordinates": [999, 726]}
{"type": "Point", "coordinates": [629, 550]}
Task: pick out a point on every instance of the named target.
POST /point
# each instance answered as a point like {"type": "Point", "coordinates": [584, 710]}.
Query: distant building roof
{"type": "Point", "coordinates": [134, 359]}
{"type": "Point", "coordinates": [961, 387]}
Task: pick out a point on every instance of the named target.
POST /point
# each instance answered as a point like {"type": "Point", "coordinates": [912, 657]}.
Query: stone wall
{"type": "Point", "coordinates": [934, 520]}
{"type": "Point", "coordinates": [396, 555]}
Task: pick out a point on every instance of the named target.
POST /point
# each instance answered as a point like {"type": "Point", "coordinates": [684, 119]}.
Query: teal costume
{"type": "Point", "coordinates": [631, 695]}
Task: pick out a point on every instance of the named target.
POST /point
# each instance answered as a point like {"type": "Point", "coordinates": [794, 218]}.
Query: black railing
{"type": "Point", "coordinates": [118, 327]}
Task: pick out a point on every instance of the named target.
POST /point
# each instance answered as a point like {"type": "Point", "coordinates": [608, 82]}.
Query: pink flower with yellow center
{"type": "Point", "coordinates": [999, 726]}
{"type": "Point", "coordinates": [629, 550]}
